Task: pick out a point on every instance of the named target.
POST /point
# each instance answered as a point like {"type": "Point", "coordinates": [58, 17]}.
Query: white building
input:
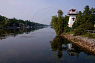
{"type": "Point", "coordinates": [72, 17]}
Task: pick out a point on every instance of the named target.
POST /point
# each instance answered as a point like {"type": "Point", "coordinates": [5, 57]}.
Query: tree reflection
{"type": "Point", "coordinates": [4, 33]}
{"type": "Point", "coordinates": [60, 44]}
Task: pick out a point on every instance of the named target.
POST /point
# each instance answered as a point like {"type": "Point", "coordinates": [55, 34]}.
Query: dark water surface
{"type": "Point", "coordinates": [39, 46]}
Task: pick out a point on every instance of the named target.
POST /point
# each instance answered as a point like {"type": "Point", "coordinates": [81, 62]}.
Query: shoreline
{"type": "Point", "coordinates": [82, 42]}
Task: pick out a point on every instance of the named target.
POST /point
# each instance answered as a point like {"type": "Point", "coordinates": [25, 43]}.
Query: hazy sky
{"type": "Point", "coordinates": [40, 11]}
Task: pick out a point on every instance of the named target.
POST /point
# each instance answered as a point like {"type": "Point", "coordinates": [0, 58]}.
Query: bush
{"type": "Point", "coordinates": [80, 31]}
{"type": "Point", "coordinates": [89, 35]}
{"type": "Point", "coordinates": [87, 26]}
{"type": "Point", "coordinates": [67, 29]}
{"type": "Point", "coordinates": [93, 35]}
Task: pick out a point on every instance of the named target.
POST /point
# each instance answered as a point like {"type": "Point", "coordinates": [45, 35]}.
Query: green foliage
{"type": "Point", "coordinates": [66, 18]}
{"type": "Point", "coordinates": [4, 22]}
{"type": "Point", "coordinates": [86, 19]}
{"type": "Point", "coordinates": [92, 10]}
{"type": "Point", "coordinates": [79, 31]}
{"type": "Point", "coordinates": [59, 22]}
{"type": "Point", "coordinates": [93, 35]}
{"type": "Point", "coordinates": [67, 29]}
{"type": "Point", "coordinates": [7, 22]}
{"type": "Point", "coordinates": [78, 21]}
{"type": "Point", "coordinates": [20, 24]}
{"type": "Point", "coordinates": [87, 10]}
{"type": "Point", "coordinates": [89, 35]}
{"type": "Point", "coordinates": [86, 26]}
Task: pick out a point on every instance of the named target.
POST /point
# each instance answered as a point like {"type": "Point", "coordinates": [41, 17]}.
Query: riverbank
{"type": "Point", "coordinates": [82, 42]}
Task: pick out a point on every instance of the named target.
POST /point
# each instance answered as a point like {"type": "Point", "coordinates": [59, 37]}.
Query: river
{"type": "Point", "coordinates": [39, 45]}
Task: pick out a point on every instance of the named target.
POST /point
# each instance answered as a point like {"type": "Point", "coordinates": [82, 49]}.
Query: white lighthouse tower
{"type": "Point", "coordinates": [72, 17]}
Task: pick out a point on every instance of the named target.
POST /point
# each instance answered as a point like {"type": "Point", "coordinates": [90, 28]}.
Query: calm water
{"type": "Point", "coordinates": [39, 46]}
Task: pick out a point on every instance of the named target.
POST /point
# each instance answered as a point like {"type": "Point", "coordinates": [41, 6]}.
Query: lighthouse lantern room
{"type": "Point", "coordinates": [72, 17]}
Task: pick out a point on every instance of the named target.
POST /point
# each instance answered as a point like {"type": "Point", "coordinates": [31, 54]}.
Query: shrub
{"type": "Point", "coordinates": [93, 35]}
{"type": "Point", "coordinates": [80, 31]}
{"type": "Point", "coordinates": [87, 26]}
{"type": "Point", "coordinates": [67, 29]}
{"type": "Point", "coordinates": [89, 35]}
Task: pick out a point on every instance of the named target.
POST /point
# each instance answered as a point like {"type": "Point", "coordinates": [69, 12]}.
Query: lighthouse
{"type": "Point", "coordinates": [72, 17]}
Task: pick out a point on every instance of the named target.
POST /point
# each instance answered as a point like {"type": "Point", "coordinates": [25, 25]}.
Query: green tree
{"type": "Point", "coordinates": [58, 22]}
{"type": "Point", "coordinates": [80, 31]}
{"type": "Point", "coordinates": [20, 24]}
{"type": "Point", "coordinates": [87, 10]}
{"type": "Point", "coordinates": [15, 22]}
{"type": "Point", "coordinates": [2, 20]}
{"type": "Point", "coordinates": [54, 22]}
{"type": "Point", "coordinates": [85, 20]}
{"type": "Point", "coordinates": [92, 10]}
{"type": "Point", "coordinates": [7, 22]}
{"type": "Point", "coordinates": [66, 18]}
{"type": "Point", "coordinates": [78, 21]}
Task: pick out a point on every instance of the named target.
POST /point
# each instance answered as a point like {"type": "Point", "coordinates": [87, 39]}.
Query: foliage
{"type": "Point", "coordinates": [78, 20]}
{"type": "Point", "coordinates": [86, 19]}
{"type": "Point", "coordinates": [67, 29]}
{"type": "Point", "coordinates": [89, 35]}
{"type": "Point", "coordinates": [4, 22]}
{"type": "Point", "coordinates": [87, 10]}
{"type": "Point", "coordinates": [80, 31]}
{"type": "Point", "coordinates": [86, 26]}
{"type": "Point", "coordinates": [66, 18]}
{"type": "Point", "coordinates": [59, 22]}
{"type": "Point", "coordinates": [93, 35]}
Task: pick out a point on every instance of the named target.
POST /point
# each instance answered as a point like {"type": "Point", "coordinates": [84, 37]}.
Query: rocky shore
{"type": "Point", "coordinates": [83, 42]}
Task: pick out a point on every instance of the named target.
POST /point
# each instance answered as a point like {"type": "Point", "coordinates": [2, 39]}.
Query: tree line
{"type": "Point", "coordinates": [84, 21]}
{"type": "Point", "coordinates": [4, 22]}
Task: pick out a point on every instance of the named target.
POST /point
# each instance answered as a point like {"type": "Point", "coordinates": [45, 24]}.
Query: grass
{"type": "Point", "coordinates": [93, 35]}
{"type": "Point", "coordinates": [80, 32]}
{"type": "Point", "coordinates": [89, 35]}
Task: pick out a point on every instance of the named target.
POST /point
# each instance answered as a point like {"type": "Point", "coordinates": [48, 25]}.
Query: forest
{"type": "Point", "coordinates": [85, 20]}
{"type": "Point", "coordinates": [13, 22]}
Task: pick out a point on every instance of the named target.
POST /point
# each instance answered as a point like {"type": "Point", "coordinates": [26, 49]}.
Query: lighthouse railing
{"type": "Point", "coordinates": [73, 12]}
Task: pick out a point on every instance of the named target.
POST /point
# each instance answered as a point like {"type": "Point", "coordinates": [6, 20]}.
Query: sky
{"type": "Point", "coordinates": [40, 11]}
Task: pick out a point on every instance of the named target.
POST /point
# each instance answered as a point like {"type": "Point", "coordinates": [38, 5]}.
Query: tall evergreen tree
{"type": "Point", "coordinates": [92, 10]}
{"type": "Point", "coordinates": [87, 10]}
{"type": "Point", "coordinates": [86, 19]}
{"type": "Point", "coordinates": [78, 21]}
{"type": "Point", "coordinates": [60, 22]}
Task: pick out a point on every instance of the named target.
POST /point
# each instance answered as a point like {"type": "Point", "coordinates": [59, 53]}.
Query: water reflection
{"type": "Point", "coordinates": [60, 44]}
{"type": "Point", "coordinates": [4, 33]}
